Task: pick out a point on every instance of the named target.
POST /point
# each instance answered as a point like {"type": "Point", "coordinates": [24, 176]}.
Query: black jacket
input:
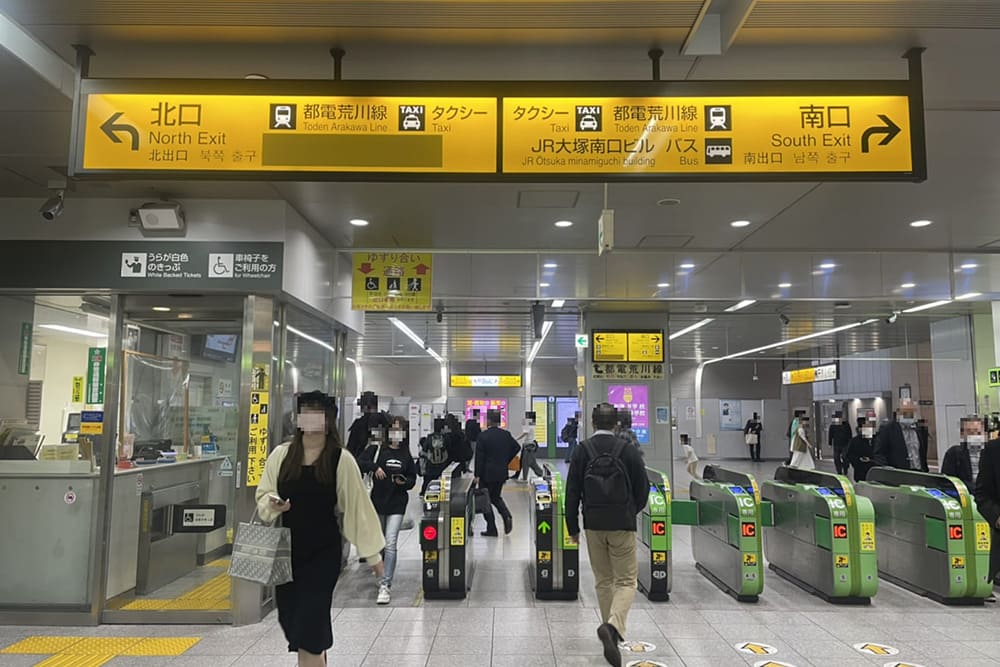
{"type": "Point", "coordinates": [890, 448]}
{"type": "Point", "coordinates": [958, 463]}
{"type": "Point", "coordinates": [839, 435]}
{"type": "Point", "coordinates": [388, 497]}
{"type": "Point", "coordinates": [859, 457]}
{"type": "Point", "coordinates": [472, 430]}
{"type": "Point", "coordinates": [495, 448]}
{"type": "Point", "coordinates": [754, 427]}
{"type": "Point", "coordinates": [988, 497]}
{"type": "Point", "coordinates": [638, 482]}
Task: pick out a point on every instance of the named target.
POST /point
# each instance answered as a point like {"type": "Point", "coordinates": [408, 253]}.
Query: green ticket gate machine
{"type": "Point", "coordinates": [931, 538]}
{"type": "Point", "coordinates": [653, 533]}
{"type": "Point", "coordinates": [726, 538]}
{"type": "Point", "coordinates": [554, 564]}
{"type": "Point", "coordinates": [445, 528]}
{"type": "Point", "coordinates": [823, 536]}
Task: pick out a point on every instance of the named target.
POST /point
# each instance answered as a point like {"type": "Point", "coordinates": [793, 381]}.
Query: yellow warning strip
{"type": "Point", "coordinates": [222, 562]}
{"type": "Point", "coordinates": [88, 651]}
{"type": "Point", "coordinates": [42, 645]}
{"type": "Point", "coordinates": [69, 660]}
{"type": "Point", "coordinates": [213, 595]}
{"type": "Point", "coordinates": [101, 646]}
{"type": "Point", "coordinates": [161, 646]}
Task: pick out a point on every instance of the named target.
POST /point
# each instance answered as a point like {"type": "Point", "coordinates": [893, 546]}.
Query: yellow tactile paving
{"type": "Point", "coordinates": [161, 646]}
{"type": "Point", "coordinates": [214, 588]}
{"type": "Point", "coordinates": [70, 660]}
{"type": "Point", "coordinates": [222, 562]}
{"type": "Point", "coordinates": [101, 645]}
{"type": "Point", "coordinates": [197, 605]}
{"type": "Point", "coordinates": [42, 645]}
{"type": "Point", "coordinates": [145, 604]}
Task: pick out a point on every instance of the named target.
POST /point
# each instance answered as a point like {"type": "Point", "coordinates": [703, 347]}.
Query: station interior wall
{"type": "Point", "coordinates": [951, 350]}
{"type": "Point", "coordinates": [54, 364]}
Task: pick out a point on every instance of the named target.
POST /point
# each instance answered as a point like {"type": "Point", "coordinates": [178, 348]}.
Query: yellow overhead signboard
{"type": "Point", "coordinates": [288, 133]}
{"type": "Point", "coordinates": [610, 346]}
{"type": "Point", "coordinates": [394, 281]}
{"type": "Point", "coordinates": [485, 380]}
{"type": "Point", "coordinates": [717, 135]}
{"type": "Point", "coordinates": [812, 374]}
{"type": "Point", "coordinates": [647, 347]}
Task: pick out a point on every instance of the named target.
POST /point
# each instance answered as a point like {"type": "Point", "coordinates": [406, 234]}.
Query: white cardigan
{"type": "Point", "coordinates": [359, 523]}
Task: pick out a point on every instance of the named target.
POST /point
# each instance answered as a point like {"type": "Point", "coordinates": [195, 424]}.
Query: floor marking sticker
{"type": "Point", "coordinates": [870, 648]}
{"type": "Point", "coordinates": [755, 648]}
{"type": "Point", "coordinates": [636, 646]}
{"type": "Point", "coordinates": [901, 664]}
{"type": "Point", "coordinates": [772, 663]}
{"type": "Point", "coordinates": [645, 663]}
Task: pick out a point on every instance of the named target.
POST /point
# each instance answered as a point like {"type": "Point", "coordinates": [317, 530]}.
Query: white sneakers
{"type": "Point", "coordinates": [384, 597]}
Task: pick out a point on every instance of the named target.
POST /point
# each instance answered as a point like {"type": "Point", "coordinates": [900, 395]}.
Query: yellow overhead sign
{"type": "Point", "coordinates": [288, 133]}
{"type": "Point", "coordinates": [808, 375]}
{"type": "Point", "coordinates": [394, 281]}
{"type": "Point", "coordinates": [609, 346]}
{"type": "Point", "coordinates": [485, 380]}
{"type": "Point", "coordinates": [646, 347]}
{"type": "Point", "coordinates": [756, 135]}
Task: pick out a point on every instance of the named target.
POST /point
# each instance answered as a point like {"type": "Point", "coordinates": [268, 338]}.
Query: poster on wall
{"type": "Point", "coordinates": [635, 399]}
{"type": "Point", "coordinates": [730, 415]}
{"type": "Point", "coordinates": [689, 413]}
{"type": "Point", "coordinates": [484, 405]}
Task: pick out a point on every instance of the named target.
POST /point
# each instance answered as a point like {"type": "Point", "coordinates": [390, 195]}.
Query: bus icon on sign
{"type": "Point", "coordinates": [718, 151]}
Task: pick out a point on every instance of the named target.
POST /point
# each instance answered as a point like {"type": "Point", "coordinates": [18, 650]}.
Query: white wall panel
{"type": "Point", "coordinates": [951, 349]}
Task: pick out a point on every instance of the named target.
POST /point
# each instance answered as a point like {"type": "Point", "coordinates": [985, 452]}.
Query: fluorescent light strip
{"type": "Point", "coordinates": [546, 326]}
{"type": "Point", "coordinates": [968, 295]}
{"type": "Point", "coordinates": [558, 303]}
{"type": "Point", "coordinates": [309, 338]}
{"type": "Point", "coordinates": [693, 327]}
{"type": "Point", "coordinates": [745, 303]}
{"type": "Point", "coordinates": [78, 332]}
{"type": "Point", "coordinates": [791, 341]}
{"type": "Point", "coordinates": [927, 306]}
{"type": "Point", "coordinates": [415, 338]}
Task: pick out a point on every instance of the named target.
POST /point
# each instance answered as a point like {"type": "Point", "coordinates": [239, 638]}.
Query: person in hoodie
{"type": "Point", "coordinates": [393, 475]}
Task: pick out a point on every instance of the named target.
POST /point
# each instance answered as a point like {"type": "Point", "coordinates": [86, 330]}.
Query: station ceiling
{"type": "Point", "coordinates": [804, 223]}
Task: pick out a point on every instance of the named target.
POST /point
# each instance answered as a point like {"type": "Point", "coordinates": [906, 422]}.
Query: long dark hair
{"type": "Point", "coordinates": [291, 467]}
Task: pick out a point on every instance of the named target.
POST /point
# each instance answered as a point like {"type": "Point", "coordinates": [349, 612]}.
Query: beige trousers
{"type": "Point", "coordinates": [612, 558]}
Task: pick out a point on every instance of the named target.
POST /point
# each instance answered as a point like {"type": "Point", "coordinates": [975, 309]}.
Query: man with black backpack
{"type": "Point", "coordinates": [609, 478]}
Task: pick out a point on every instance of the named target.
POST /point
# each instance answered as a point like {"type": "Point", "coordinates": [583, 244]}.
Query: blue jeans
{"type": "Point", "coordinates": [391, 523]}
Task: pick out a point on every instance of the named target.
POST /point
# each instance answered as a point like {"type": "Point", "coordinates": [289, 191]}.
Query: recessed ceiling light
{"type": "Point", "coordinates": [715, 347]}
{"type": "Point", "coordinates": [161, 309]}
{"type": "Point", "coordinates": [359, 222]}
{"type": "Point", "coordinates": [970, 265]}
{"type": "Point", "coordinates": [550, 265]}
{"type": "Point", "coordinates": [920, 223]}
{"type": "Point", "coordinates": [564, 223]}
{"type": "Point", "coordinates": [558, 303]}
{"type": "Point", "coordinates": [662, 285]}
{"type": "Point", "coordinates": [739, 223]}
{"type": "Point", "coordinates": [819, 272]}
{"type": "Point", "coordinates": [784, 285]}
{"type": "Point", "coordinates": [668, 201]}
{"type": "Point", "coordinates": [827, 265]}
{"type": "Point", "coordinates": [184, 316]}
{"type": "Point", "coordinates": [544, 285]}
{"type": "Point", "coordinates": [687, 265]}
{"type": "Point", "coordinates": [908, 285]}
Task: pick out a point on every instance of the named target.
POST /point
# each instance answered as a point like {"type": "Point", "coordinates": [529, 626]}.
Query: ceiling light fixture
{"type": "Point", "coordinates": [558, 303]}
{"type": "Point", "coordinates": [791, 341]}
{"type": "Point", "coordinates": [544, 284]}
{"type": "Point", "coordinates": [668, 201]}
{"type": "Point", "coordinates": [414, 337]}
{"type": "Point", "coordinates": [184, 316]}
{"type": "Point", "coordinates": [921, 223]}
{"type": "Point", "coordinates": [968, 295]}
{"type": "Point", "coordinates": [693, 327]}
{"type": "Point", "coordinates": [687, 265]}
{"type": "Point", "coordinates": [550, 265]}
{"type": "Point", "coordinates": [73, 330]}
{"type": "Point", "coordinates": [663, 285]}
{"type": "Point", "coordinates": [745, 303]}
{"type": "Point", "coordinates": [564, 223]}
{"type": "Point", "coordinates": [970, 265]}
{"type": "Point", "coordinates": [161, 309]}
{"type": "Point", "coordinates": [359, 222]}
{"type": "Point", "coordinates": [827, 265]}
{"type": "Point", "coordinates": [784, 285]}
{"type": "Point", "coordinates": [739, 223]}
{"type": "Point", "coordinates": [312, 339]}
{"type": "Point", "coordinates": [927, 306]}
{"type": "Point", "coordinates": [908, 285]}
{"type": "Point", "coordinates": [546, 327]}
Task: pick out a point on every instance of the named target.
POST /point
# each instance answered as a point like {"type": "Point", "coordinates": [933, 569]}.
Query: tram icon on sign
{"type": "Point", "coordinates": [719, 118]}
{"type": "Point", "coordinates": [282, 117]}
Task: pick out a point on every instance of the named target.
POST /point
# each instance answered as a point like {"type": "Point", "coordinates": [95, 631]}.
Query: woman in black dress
{"type": "Point", "coordinates": [308, 482]}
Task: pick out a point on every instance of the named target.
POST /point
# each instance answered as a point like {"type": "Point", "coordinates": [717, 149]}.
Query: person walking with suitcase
{"type": "Point", "coordinates": [609, 479]}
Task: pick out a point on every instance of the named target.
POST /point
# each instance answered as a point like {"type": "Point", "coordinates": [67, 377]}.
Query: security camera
{"type": "Point", "coordinates": [440, 313]}
{"type": "Point", "coordinates": [53, 207]}
{"type": "Point", "coordinates": [893, 316]}
{"type": "Point", "coordinates": [784, 319]}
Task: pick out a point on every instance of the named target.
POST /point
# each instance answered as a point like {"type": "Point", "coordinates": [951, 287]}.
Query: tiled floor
{"type": "Point", "coordinates": [501, 624]}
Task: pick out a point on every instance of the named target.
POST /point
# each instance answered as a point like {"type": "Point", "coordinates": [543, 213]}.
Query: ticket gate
{"type": "Point", "coordinates": [823, 535]}
{"type": "Point", "coordinates": [445, 528]}
{"type": "Point", "coordinates": [554, 563]}
{"type": "Point", "coordinates": [726, 539]}
{"type": "Point", "coordinates": [931, 538]}
{"type": "Point", "coordinates": [653, 532]}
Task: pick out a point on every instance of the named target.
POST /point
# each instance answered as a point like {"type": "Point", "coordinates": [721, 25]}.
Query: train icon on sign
{"type": "Point", "coordinates": [719, 118]}
{"type": "Point", "coordinates": [283, 117]}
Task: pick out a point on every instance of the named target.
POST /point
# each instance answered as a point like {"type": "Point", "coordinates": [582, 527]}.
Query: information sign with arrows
{"type": "Point", "coordinates": [392, 281]}
{"type": "Point", "coordinates": [644, 347]}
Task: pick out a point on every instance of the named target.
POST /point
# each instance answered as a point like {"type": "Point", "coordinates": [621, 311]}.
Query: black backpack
{"type": "Point", "coordinates": [606, 484]}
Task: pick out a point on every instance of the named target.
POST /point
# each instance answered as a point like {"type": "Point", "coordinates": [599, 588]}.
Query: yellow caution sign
{"type": "Point", "coordinates": [77, 389]}
{"type": "Point", "coordinates": [645, 347]}
{"type": "Point", "coordinates": [171, 132]}
{"type": "Point", "coordinates": [610, 346]}
{"type": "Point", "coordinates": [659, 556]}
{"type": "Point", "coordinates": [867, 536]}
{"type": "Point", "coordinates": [842, 561]}
{"type": "Point", "coordinates": [749, 560]}
{"type": "Point", "coordinates": [259, 436]}
{"type": "Point", "coordinates": [707, 135]}
{"type": "Point", "coordinates": [457, 531]}
{"type": "Point", "coordinates": [430, 556]}
{"type": "Point", "coordinates": [982, 536]}
{"type": "Point", "coordinates": [958, 562]}
{"type": "Point", "coordinates": [544, 556]}
{"type": "Point", "coordinates": [395, 281]}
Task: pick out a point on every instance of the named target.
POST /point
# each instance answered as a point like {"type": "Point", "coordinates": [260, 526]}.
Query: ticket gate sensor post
{"type": "Point", "coordinates": [653, 533]}
{"type": "Point", "coordinates": [445, 529]}
{"type": "Point", "coordinates": [554, 563]}
{"type": "Point", "coordinates": [726, 540]}
{"type": "Point", "coordinates": [931, 538]}
{"type": "Point", "coordinates": [823, 535]}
